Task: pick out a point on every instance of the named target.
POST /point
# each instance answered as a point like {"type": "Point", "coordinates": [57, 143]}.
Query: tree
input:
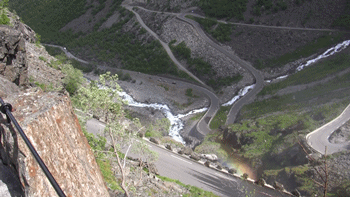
{"type": "Point", "coordinates": [321, 170]}
{"type": "Point", "coordinates": [101, 98]}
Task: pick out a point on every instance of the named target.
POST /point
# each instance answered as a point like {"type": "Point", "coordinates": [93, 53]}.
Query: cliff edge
{"type": "Point", "coordinates": [48, 120]}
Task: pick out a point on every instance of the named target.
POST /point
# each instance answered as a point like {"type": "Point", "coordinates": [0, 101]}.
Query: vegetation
{"type": "Point", "coordinates": [224, 8]}
{"type": "Point", "coordinates": [158, 129]}
{"type": "Point", "coordinates": [63, 59]}
{"type": "Point", "coordinates": [106, 103]}
{"type": "Point", "coordinates": [98, 146]}
{"type": "Point", "coordinates": [47, 17]}
{"type": "Point", "coordinates": [300, 100]}
{"type": "Point", "coordinates": [201, 68]}
{"type": "Point", "coordinates": [220, 117]}
{"type": "Point", "coordinates": [269, 6]}
{"type": "Point", "coordinates": [73, 79]}
{"type": "Point", "coordinates": [189, 92]}
{"type": "Point", "coordinates": [344, 20]}
{"type": "Point", "coordinates": [315, 72]}
{"type": "Point", "coordinates": [219, 31]}
{"type": "Point", "coordinates": [110, 45]}
{"type": "Point", "coordinates": [318, 45]}
{"type": "Point", "coordinates": [124, 76]}
{"type": "Point", "coordinates": [4, 20]}
{"type": "Point", "coordinates": [166, 88]}
{"type": "Point", "coordinates": [198, 116]}
{"type": "Point", "coordinates": [211, 145]}
{"type": "Point", "coordinates": [194, 191]}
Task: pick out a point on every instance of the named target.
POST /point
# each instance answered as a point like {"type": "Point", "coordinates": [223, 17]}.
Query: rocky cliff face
{"type": "Point", "coordinates": [48, 120]}
{"type": "Point", "coordinates": [52, 127]}
{"type": "Point", "coordinates": [12, 56]}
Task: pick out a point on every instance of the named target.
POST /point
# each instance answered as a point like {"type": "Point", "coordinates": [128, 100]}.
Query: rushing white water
{"type": "Point", "coordinates": [331, 51]}
{"type": "Point", "coordinates": [339, 47]}
{"type": "Point", "coordinates": [241, 93]}
{"type": "Point", "coordinates": [176, 124]}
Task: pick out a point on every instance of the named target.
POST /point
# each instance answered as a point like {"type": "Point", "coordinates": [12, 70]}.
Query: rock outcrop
{"type": "Point", "coordinates": [12, 56]}
{"type": "Point", "coordinates": [52, 127]}
{"type": "Point", "coordinates": [49, 122]}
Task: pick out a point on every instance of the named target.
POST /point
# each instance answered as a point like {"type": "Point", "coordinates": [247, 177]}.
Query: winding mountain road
{"type": "Point", "coordinates": [165, 46]}
{"type": "Point", "coordinates": [202, 126]}
{"type": "Point", "coordinates": [187, 171]}
{"type": "Point", "coordinates": [319, 138]}
{"type": "Point", "coordinates": [259, 80]}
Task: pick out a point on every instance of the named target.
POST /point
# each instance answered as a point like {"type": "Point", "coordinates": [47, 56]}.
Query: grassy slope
{"type": "Point", "coordinates": [130, 50]}
{"type": "Point", "coordinates": [47, 17]}
{"type": "Point", "coordinates": [312, 106]}
{"type": "Point", "coordinates": [275, 125]}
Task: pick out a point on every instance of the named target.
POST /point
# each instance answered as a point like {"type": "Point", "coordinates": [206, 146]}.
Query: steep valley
{"type": "Point", "coordinates": [269, 132]}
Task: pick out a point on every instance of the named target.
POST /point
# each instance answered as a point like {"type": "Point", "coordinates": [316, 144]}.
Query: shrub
{"type": "Point", "coordinates": [189, 92]}
{"type": "Point", "coordinates": [4, 20]}
{"type": "Point", "coordinates": [224, 8]}
{"type": "Point", "coordinates": [43, 58]}
{"type": "Point", "coordinates": [73, 79]}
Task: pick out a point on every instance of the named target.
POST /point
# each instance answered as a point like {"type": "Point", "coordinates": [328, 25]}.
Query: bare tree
{"type": "Point", "coordinates": [102, 98]}
{"type": "Point", "coordinates": [321, 170]}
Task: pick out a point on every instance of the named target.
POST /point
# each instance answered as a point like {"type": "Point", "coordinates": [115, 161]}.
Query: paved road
{"type": "Point", "coordinates": [165, 46]}
{"type": "Point", "coordinates": [187, 171]}
{"type": "Point", "coordinates": [319, 139]}
{"type": "Point", "coordinates": [259, 80]}
{"type": "Point", "coordinates": [188, 12]}
{"type": "Point", "coordinates": [68, 54]}
{"type": "Point", "coordinates": [269, 26]}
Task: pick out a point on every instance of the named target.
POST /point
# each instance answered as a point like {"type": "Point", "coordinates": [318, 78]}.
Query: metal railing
{"type": "Point", "coordinates": [6, 108]}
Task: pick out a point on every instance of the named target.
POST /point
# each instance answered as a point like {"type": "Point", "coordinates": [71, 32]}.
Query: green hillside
{"type": "Point", "coordinates": [48, 17]}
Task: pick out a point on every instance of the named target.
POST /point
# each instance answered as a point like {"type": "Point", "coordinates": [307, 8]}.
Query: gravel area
{"type": "Point", "coordinates": [341, 135]}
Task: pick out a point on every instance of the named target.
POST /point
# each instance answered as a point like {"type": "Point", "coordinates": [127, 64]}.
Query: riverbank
{"type": "Point", "coordinates": [181, 97]}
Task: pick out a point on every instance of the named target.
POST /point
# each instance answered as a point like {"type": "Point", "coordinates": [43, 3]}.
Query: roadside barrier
{"type": "Point", "coordinates": [6, 109]}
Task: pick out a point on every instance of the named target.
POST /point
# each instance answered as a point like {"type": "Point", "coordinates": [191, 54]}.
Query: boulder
{"type": "Point", "coordinates": [210, 157]}
{"type": "Point", "coordinates": [195, 156]}
{"type": "Point", "coordinates": [7, 88]}
{"type": "Point", "coordinates": [141, 134]}
{"type": "Point", "coordinates": [296, 193]}
{"type": "Point", "coordinates": [154, 140]}
{"type": "Point", "coordinates": [169, 147]}
{"type": "Point", "coordinates": [278, 186]}
{"type": "Point", "coordinates": [260, 182]}
{"type": "Point", "coordinates": [28, 33]}
{"type": "Point", "coordinates": [219, 166]}
{"type": "Point", "coordinates": [152, 168]}
{"type": "Point", "coordinates": [187, 151]}
{"type": "Point", "coordinates": [207, 164]}
{"type": "Point", "coordinates": [232, 171]}
{"type": "Point", "coordinates": [181, 152]}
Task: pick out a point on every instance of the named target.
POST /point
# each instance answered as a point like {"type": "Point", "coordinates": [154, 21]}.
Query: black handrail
{"type": "Point", "coordinates": [6, 108]}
